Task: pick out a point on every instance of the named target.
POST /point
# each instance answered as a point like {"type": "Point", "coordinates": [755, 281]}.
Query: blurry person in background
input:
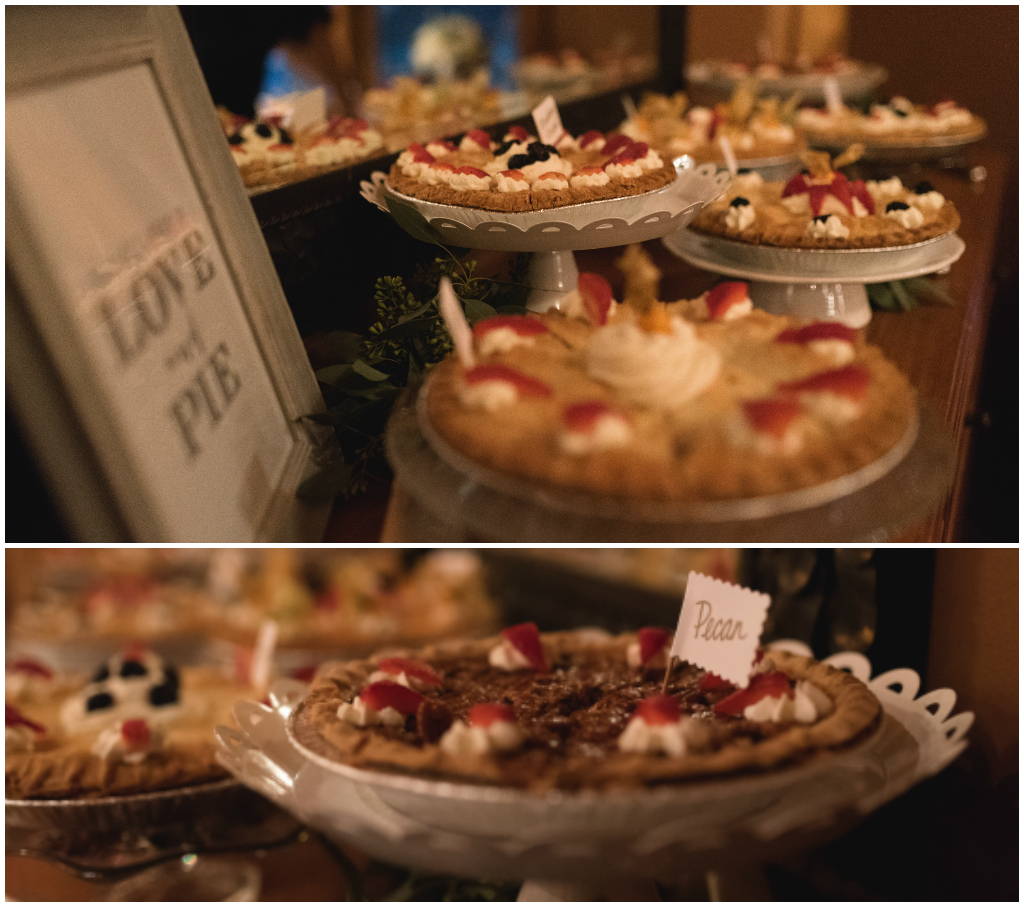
{"type": "Point", "coordinates": [232, 44]}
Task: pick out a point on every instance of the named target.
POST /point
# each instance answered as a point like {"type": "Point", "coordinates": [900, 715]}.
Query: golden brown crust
{"type": "Point", "coordinates": [681, 455]}
{"type": "Point", "coordinates": [530, 200]}
{"type": "Point", "coordinates": [855, 715]}
{"type": "Point", "coordinates": [851, 131]}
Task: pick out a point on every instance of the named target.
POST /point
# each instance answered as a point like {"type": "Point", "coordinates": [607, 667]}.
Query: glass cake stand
{"type": "Point", "coordinates": [818, 284]}
{"type": "Point", "coordinates": [662, 834]}
{"type": "Point", "coordinates": [553, 234]}
{"type": "Point", "coordinates": [442, 496]}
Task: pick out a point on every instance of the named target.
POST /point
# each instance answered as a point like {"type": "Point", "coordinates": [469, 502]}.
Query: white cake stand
{"type": "Point", "coordinates": [664, 834]}
{"type": "Point", "coordinates": [818, 284]}
{"type": "Point", "coordinates": [553, 234]}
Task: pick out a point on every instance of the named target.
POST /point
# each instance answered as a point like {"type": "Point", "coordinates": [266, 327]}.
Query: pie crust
{"type": "Point", "coordinates": [676, 453]}
{"type": "Point", "coordinates": [572, 716]}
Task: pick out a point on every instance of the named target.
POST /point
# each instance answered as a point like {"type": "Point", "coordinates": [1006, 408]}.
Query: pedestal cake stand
{"type": "Point", "coordinates": [553, 234]}
{"type": "Point", "coordinates": [819, 284]}
{"type": "Point", "coordinates": [663, 834]}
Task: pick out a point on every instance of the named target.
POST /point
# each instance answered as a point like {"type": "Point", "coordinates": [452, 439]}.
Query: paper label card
{"type": "Point", "coordinates": [727, 153]}
{"type": "Point", "coordinates": [548, 121]}
{"type": "Point", "coordinates": [458, 326]}
{"type": "Point", "coordinates": [719, 627]}
{"type": "Point", "coordinates": [833, 96]}
{"type": "Point", "coordinates": [309, 110]}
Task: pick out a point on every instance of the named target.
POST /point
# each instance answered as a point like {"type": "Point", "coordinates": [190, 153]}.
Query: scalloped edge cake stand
{"type": "Point", "coordinates": [552, 235]}
{"type": "Point", "coordinates": [919, 737]}
{"type": "Point", "coordinates": [818, 284]}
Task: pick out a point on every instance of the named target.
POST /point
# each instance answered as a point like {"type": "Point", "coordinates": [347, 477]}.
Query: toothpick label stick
{"type": "Point", "coordinates": [548, 121]}
{"type": "Point", "coordinates": [719, 627]}
{"type": "Point", "coordinates": [629, 107]}
{"type": "Point", "coordinates": [730, 158]}
{"type": "Point", "coordinates": [833, 96]}
{"type": "Point", "coordinates": [309, 110]}
{"type": "Point", "coordinates": [263, 656]}
{"type": "Point", "coordinates": [458, 327]}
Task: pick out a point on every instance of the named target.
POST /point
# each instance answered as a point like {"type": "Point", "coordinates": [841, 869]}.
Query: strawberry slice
{"type": "Point", "coordinates": [796, 186]}
{"type": "Point", "coordinates": [472, 171]}
{"type": "Point", "coordinates": [556, 175]}
{"type": "Point", "coordinates": [583, 417]}
{"type": "Point", "coordinates": [524, 384]}
{"type": "Point", "coordinates": [521, 325]}
{"type": "Point", "coordinates": [588, 171]}
{"type": "Point", "coordinates": [596, 294]}
{"type": "Point", "coordinates": [513, 175]}
{"type": "Point", "coordinates": [134, 651]}
{"type": "Point", "coordinates": [31, 668]}
{"type": "Point", "coordinates": [652, 641]}
{"type": "Point", "coordinates": [615, 143]}
{"type": "Point", "coordinates": [525, 639]}
{"type": "Point", "coordinates": [816, 196]}
{"type": "Point", "coordinates": [420, 155]}
{"type": "Point", "coordinates": [443, 165]}
{"type": "Point", "coordinates": [135, 733]}
{"type": "Point", "coordinates": [712, 683]}
{"type": "Point", "coordinates": [518, 133]}
{"type": "Point", "coordinates": [850, 381]}
{"type": "Point", "coordinates": [658, 709]}
{"type": "Point", "coordinates": [772, 684]}
{"type": "Point", "coordinates": [859, 190]}
{"type": "Point", "coordinates": [14, 718]}
{"type": "Point", "coordinates": [305, 674]}
{"type": "Point", "coordinates": [771, 417]}
{"type": "Point", "coordinates": [448, 146]}
{"type": "Point", "coordinates": [819, 330]}
{"type": "Point", "coordinates": [487, 713]}
{"type": "Point", "coordinates": [480, 137]}
{"type": "Point", "coordinates": [840, 189]}
{"type": "Point", "coordinates": [386, 694]}
{"type": "Point", "coordinates": [418, 670]}
{"type": "Point", "coordinates": [716, 120]}
{"type": "Point", "coordinates": [724, 297]}
{"type": "Point", "coordinates": [588, 138]}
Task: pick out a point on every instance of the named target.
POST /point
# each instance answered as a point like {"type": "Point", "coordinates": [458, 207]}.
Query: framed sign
{"type": "Point", "coordinates": [152, 360]}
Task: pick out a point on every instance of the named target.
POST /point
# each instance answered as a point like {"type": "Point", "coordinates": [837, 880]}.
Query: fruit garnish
{"type": "Point", "coordinates": [305, 674]}
{"type": "Point", "coordinates": [417, 670]}
{"type": "Point", "coordinates": [816, 196]}
{"type": "Point", "coordinates": [553, 175]}
{"type": "Point", "coordinates": [135, 733]}
{"type": "Point", "coordinates": [656, 320]}
{"type": "Point", "coordinates": [472, 171]}
{"type": "Point", "coordinates": [486, 713]}
{"type": "Point", "coordinates": [770, 684]}
{"type": "Point", "coordinates": [522, 325]}
{"type": "Point", "coordinates": [849, 381]}
{"type": "Point", "coordinates": [524, 384]}
{"type": "Point", "coordinates": [328, 600]}
{"type": "Point", "coordinates": [712, 683]}
{"type": "Point", "coordinates": [518, 133]}
{"type": "Point", "coordinates": [14, 718]}
{"type": "Point", "coordinates": [723, 297]}
{"type": "Point", "coordinates": [513, 174]}
{"type": "Point", "coordinates": [771, 417]}
{"type": "Point", "coordinates": [596, 294]}
{"type": "Point", "coordinates": [716, 120]}
{"type": "Point", "coordinates": [819, 330]}
{"type": "Point", "coordinates": [616, 142]}
{"type": "Point", "coordinates": [796, 186]}
{"type": "Point", "coordinates": [448, 146]}
{"type": "Point", "coordinates": [588, 171]}
{"type": "Point", "coordinates": [31, 668]}
{"type": "Point", "coordinates": [525, 639]}
{"type": "Point", "coordinates": [652, 640]}
{"type": "Point", "coordinates": [134, 651]}
{"type": "Point", "coordinates": [859, 190]}
{"type": "Point", "coordinates": [583, 417]}
{"type": "Point", "coordinates": [420, 155]}
{"type": "Point", "coordinates": [386, 694]}
{"type": "Point", "coordinates": [480, 137]}
{"type": "Point", "coordinates": [588, 138]}
{"type": "Point", "coordinates": [658, 709]}
{"type": "Point", "coordinates": [443, 165]}
{"type": "Point", "coordinates": [282, 146]}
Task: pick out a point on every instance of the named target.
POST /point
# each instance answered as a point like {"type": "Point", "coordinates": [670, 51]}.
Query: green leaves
{"type": "Point", "coordinates": [410, 220]}
{"type": "Point", "coordinates": [903, 295]}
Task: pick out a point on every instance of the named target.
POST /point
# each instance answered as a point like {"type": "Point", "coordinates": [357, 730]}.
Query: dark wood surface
{"type": "Point", "coordinates": [940, 348]}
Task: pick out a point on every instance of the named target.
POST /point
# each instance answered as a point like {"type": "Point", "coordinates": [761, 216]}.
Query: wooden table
{"type": "Point", "coordinates": [940, 348]}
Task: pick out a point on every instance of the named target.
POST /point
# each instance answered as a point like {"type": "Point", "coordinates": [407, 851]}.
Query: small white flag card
{"type": "Point", "coordinates": [458, 327]}
{"type": "Point", "coordinates": [309, 110]}
{"type": "Point", "coordinates": [263, 656]}
{"type": "Point", "coordinates": [629, 107]}
{"type": "Point", "coordinates": [833, 96]}
{"type": "Point", "coordinates": [719, 627]}
{"type": "Point", "coordinates": [730, 158]}
{"type": "Point", "coordinates": [548, 121]}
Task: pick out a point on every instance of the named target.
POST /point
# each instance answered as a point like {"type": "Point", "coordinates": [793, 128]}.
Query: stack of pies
{"type": "Point", "coordinates": [693, 401]}
{"type": "Point", "coordinates": [137, 725]}
{"type": "Point", "coordinates": [569, 711]}
{"type": "Point", "coordinates": [820, 208]}
{"type": "Point", "coordinates": [521, 173]}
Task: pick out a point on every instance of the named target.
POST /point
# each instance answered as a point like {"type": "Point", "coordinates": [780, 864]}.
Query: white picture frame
{"type": "Point", "coordinates": [152, 361]}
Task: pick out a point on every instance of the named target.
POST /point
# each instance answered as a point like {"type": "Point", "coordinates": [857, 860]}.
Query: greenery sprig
{"type": "Point", "coordinates": [408, 338]}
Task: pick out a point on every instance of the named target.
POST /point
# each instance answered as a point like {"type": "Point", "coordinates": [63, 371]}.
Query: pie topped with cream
{"type": "Point", "coordinates": [821, 209]}
{"type": "Point", "coordinates": [523, 174]}
{"type": "Point", "coordinates": [574, 711]}
{"type": "Point", "coordinates": [138, 725]}
{"type": "Point", "coordinates": [693, 401]}
{"type": "Point", "coordinates": [897, 122]}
